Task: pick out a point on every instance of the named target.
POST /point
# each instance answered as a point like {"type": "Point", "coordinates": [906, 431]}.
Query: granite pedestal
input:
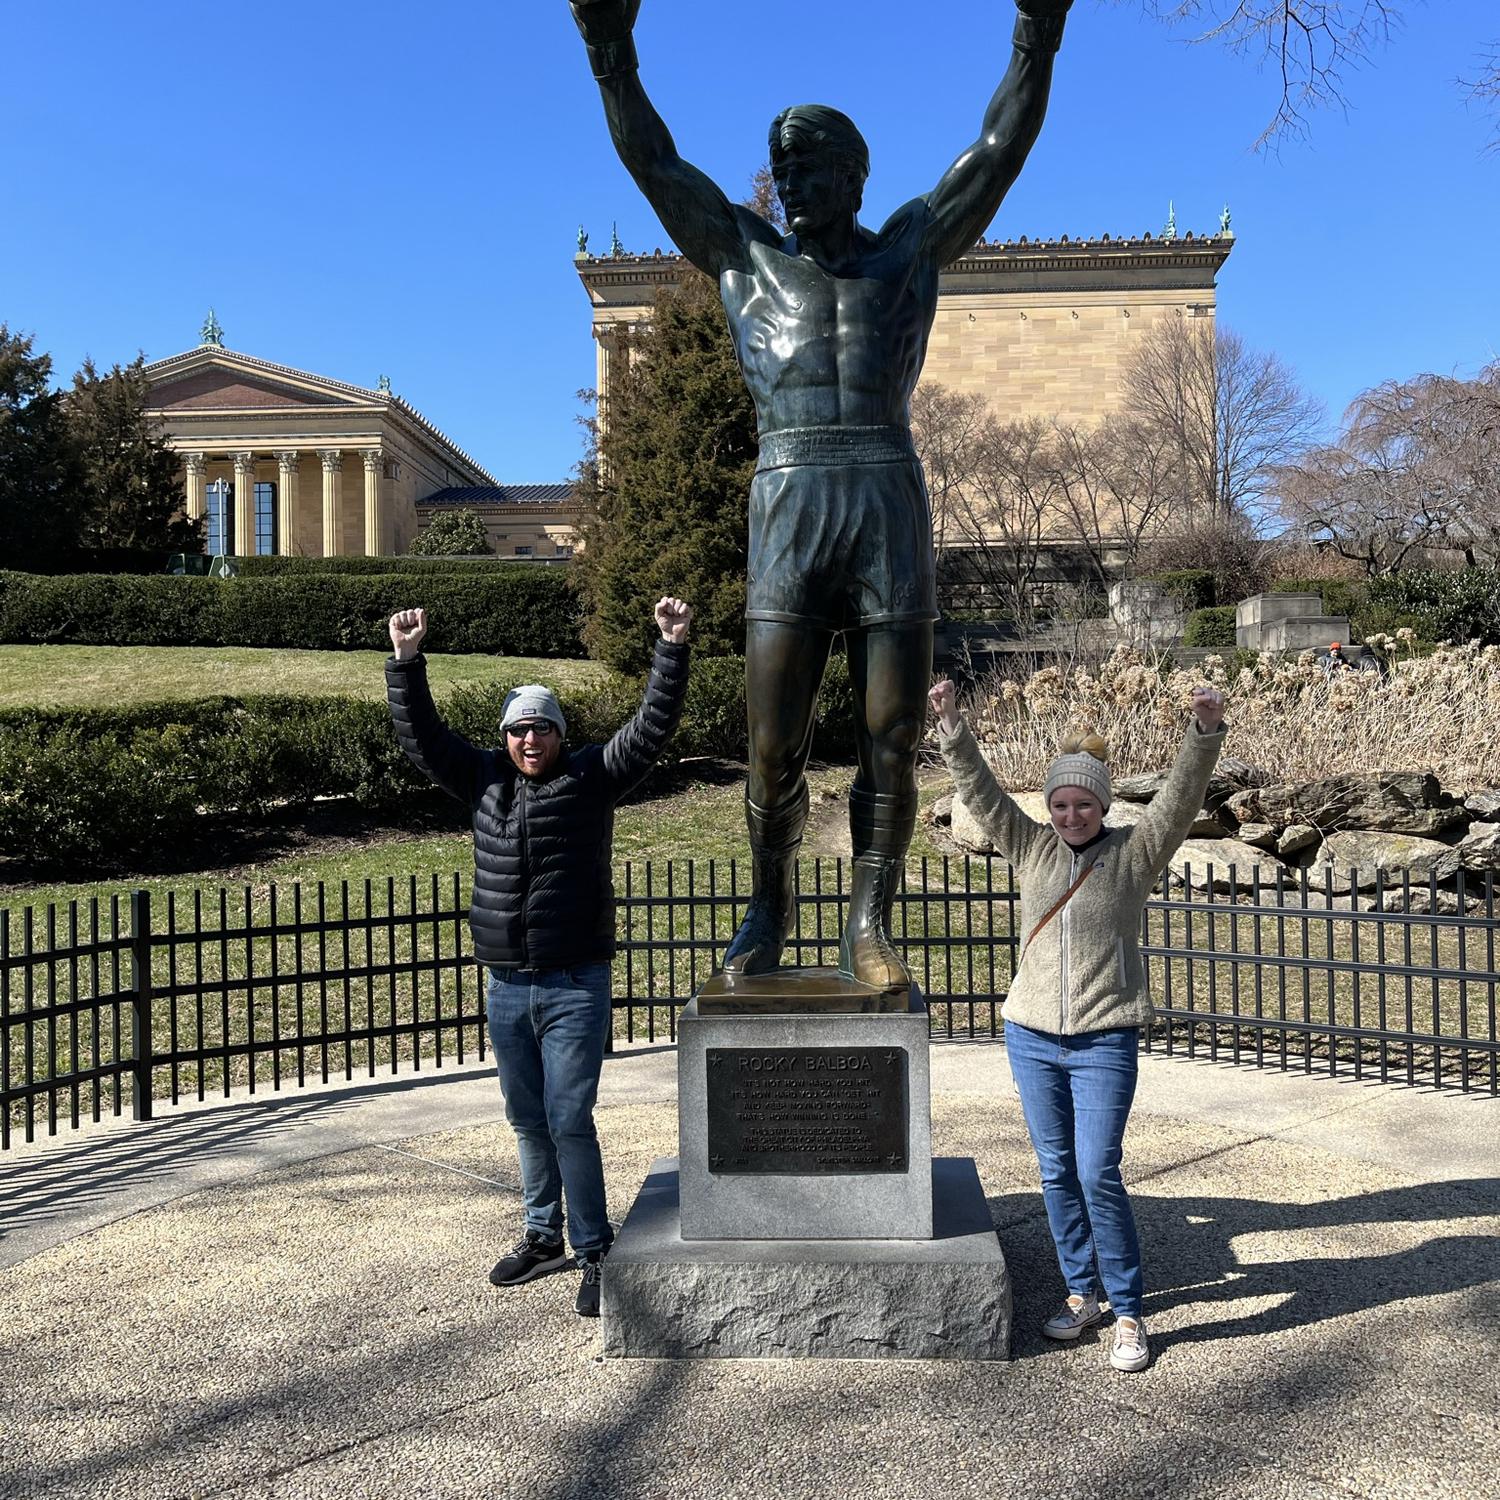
{"type": "Point", "coordinates": [804, 1124]}
{"type": "Point", "coordinates": [805, 1216]}
{"type": "Point", "coordinates": [945, 1297]}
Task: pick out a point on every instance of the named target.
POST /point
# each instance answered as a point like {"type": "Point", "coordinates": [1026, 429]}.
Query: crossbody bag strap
{"type": "Point", "coordinates": [1062, 901]}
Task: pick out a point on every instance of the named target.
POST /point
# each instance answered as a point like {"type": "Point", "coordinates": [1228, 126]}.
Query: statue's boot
{"type": "Point", "coordinates": [775, 837]}
{"type": "Point", "coordinates": [881, 828]}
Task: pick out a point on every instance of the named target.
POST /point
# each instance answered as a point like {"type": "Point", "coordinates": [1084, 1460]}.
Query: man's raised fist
{"type": "Point", "coordinates": [408, 627]}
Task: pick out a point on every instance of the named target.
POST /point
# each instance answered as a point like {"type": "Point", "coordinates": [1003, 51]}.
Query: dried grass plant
{"type": "Point", "coordinates": [1439, 712]}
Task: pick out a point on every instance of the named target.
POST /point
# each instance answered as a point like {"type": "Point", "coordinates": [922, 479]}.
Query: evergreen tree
{"type": "Point", "coordinates": [38, 495]}
{"type": "Point", "coordinates": [664, 488]}
{"type": "Point", "coordinates": [455, 533]}
{"type": "Point", "coordinates": [132, 481]}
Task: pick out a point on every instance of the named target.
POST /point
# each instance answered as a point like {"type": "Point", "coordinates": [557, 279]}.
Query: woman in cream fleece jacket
{"type": "Point", "coordinates": [1079, 996]}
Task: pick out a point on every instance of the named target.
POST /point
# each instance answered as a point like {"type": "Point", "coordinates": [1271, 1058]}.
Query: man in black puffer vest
{"type": "Point", "coordinates": [543, 919]}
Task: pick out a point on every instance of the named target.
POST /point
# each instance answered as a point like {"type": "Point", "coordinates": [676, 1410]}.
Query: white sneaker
{"type": "Point", "coordinates": [1076, 1314]}
{"type": "Point", "coordinates": [1129, 1351]}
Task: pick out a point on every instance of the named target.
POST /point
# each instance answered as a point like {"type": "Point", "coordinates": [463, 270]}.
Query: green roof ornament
{"type": "Point", "coordinates": [1169, 232]}
{"type": "Point", "coordinates": [212, 331]}
{"type": "Point", "coordinates": [1225, 231]}
{"type": "Point", "coordinates": [583, 242]}
{"type": "Point", "coordinates": [384, 387]}
{"type": "Point", "coordinates": [616, 249]}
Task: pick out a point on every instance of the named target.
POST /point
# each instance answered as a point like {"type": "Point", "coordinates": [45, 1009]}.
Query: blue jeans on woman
{"type": "Point", "coordinates": [1076, 1093]}
{"type": "Point", "coordinates": [548, 1028]}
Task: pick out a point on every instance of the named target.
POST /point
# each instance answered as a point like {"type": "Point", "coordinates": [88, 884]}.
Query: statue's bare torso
{"type": "Point", "coordinates": [826, 349]}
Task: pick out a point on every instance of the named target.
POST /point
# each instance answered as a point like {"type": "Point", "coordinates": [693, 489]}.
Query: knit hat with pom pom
{"type": "Point", "coordinates": [1081, 764]}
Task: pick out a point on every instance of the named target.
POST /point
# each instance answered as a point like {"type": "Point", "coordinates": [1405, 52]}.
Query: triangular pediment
{"type": "Point", "coordinates": [220, 380]}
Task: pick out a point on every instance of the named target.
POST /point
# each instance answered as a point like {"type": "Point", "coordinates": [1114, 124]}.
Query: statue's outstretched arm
{"type": "Point", "coordinates": [710, 231]}
{"type": "Point", "coordinates": [964, 202]}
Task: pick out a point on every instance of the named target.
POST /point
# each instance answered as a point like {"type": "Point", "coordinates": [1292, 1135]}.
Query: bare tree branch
{"type": "Point", "coordinates": [1416, 468]}
{"type": "Point", "coordinates": [946, 427]}
{"type": "Point", "coordinates": [1309, 45]}
{"type": "Point", "coordinates": [1484, 88]}
{"type": "Point", "coordinates": [1000, 514]}
{"type": "Point", "coordinates": [1232, 415]}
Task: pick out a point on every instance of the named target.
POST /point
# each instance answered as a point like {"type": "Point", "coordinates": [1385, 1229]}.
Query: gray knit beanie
{"type": "Point", "coordinates": [533, 702]}
{"type": "Point", "coordinates": [1081, 764]}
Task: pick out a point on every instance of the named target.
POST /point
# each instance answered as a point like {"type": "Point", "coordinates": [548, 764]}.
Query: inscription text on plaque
{"type": "Point", "coordinates": [807, 1110]}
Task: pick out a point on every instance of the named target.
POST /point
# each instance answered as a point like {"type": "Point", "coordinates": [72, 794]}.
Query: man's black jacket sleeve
{"type": "Point", "coordinates": [440, 754]}
{"type": "Point", "coordinates": [634, 749]}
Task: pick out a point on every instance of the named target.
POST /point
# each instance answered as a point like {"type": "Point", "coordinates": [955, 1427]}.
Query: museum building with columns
{"type": "Point", "coordinates": [279, 461]}
{"type": "Point", "coordinates": [1040, 328]}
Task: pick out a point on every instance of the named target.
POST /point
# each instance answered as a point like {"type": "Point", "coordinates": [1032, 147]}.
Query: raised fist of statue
{"type": "Point", "coordinates": [1042, 8]}
{"type": "Point", "coordinates": [605, 21]}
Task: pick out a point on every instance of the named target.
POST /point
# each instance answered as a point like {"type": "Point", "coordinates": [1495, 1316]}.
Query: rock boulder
{"type": "Point", "coordinates": [1208, 863]}
{"type": "Point", "coordinates": [1479, 849]}
{"type": "Point", "coordinates": [1378, 801]}
{"type": "Point", "coordinates": [1360, 853]}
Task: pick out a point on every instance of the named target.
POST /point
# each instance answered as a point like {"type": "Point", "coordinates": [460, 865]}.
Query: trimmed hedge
{"type": "Point", "coordinates": [1340, 596]}
{"type": "Point", "coordinates": [281, 567]}
{"type": "Point", "coordinates": [1192, 588]}
{"type": "Point", "coordinates": [1451, 605]}
{"type": "Point", "coordinates": [516, 611]}
{"type": "Point", "coordinates": [1210, 627]}
{"type": "Point", "coordinates": [1458, 606]}
{"type": "Point", "coordinates": [101, 560]}
{"type": "Point", "coordinates": [94, 788]}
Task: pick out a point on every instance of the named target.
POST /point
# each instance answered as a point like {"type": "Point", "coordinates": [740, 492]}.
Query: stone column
{"type": "Point", "coordinates": [195, 504]}
{"type": "Point", "coordinates": [333, 507]}
{"type": "Point", "coordinates": [607, 337]}
{"type": "Point", "coordinates": [244, 504]}
{"type": "Point", "coordinates": [286, 500]}
{"type": "Point", "coordinates": [374, 509]}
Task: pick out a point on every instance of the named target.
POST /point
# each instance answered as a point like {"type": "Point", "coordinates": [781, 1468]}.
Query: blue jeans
{"type": "Point", "coordinates": [1076, 1093]}
{"type": "Point", "coordinates": [548, 1028]}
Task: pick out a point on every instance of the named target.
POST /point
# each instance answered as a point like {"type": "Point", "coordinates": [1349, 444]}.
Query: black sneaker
{"type": "Point", "coordinates": [532, 1257]}
{"type": "Point", "coordinates": [592, 1266]}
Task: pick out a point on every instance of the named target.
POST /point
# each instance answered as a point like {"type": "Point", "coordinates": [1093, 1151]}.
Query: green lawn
{"type": "Point", "coordinates": [83, 676]}
{"type": "Point", "coordinates": [698, 822]}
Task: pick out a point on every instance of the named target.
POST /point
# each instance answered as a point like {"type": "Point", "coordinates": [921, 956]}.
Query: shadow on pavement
{"type": "Point", "coordinates": [83, 1172]}
{"type": "Point", "coordinates": [1189, 1245]}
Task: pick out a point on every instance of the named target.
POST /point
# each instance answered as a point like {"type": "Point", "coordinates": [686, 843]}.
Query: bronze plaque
{"type": "Point", "coordinates": [807, 1110]}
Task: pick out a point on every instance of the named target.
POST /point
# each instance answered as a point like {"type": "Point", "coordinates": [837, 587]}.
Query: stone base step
{"type": "Point", "coordinates": [944, 1298]}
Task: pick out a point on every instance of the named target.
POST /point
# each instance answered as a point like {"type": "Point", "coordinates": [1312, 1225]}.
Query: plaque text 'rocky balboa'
{"type": "Point", "coordinates": [807, 1110]}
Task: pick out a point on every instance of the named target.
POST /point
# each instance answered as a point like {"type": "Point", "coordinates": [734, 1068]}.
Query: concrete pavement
{"type": "Point", "coordinates": [287, 1297]}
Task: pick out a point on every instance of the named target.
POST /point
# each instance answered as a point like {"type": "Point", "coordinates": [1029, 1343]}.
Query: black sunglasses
{"type": "Point", "coordinates": [541, 728]}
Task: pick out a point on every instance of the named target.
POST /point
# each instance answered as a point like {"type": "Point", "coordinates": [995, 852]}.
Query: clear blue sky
{"type": "Point", "coordinates": [396, 188]}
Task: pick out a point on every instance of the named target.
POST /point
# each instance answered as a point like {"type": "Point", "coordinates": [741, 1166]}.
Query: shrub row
{"type": "Point", "coordinates": [90, 789]}
{"type": "Point", "coordinates": [1192, 588]}
{"type": "Point", "coordinates": [126, 560]}
{"type": "Point", "coordinates": [1341, 596]}
{"type": "Point", "coordinates": [100, 560]}
{"type": "Point", "coordinates": [512, 611]}
{"type": "Point", "coordinates": [1459, 606]}
{"type": "Point", "coordinates": [1437, 605]}
{"type": "Point", "coordinates": [281, 567]}
{"type": "Point", "coordinates": [1210, 627]}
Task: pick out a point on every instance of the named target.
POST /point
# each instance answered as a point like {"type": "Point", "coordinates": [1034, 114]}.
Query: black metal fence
{"type": "Point", "coordinates": [125, 1000]}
